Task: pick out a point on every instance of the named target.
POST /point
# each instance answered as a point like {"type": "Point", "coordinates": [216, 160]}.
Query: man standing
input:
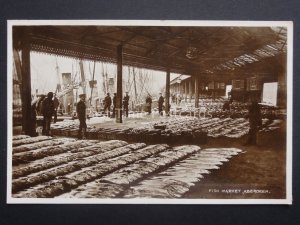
{"type": "Point", "coordinates": [48, 111]}
{"type": "Point", "coordinates": [160, 104]}
{"type": "Point", "coordinates": [255, 122]}
{"type": "Point", "coordinates": [125, 104]}
{"type": "Point", "coordinates": [107, 104]}
{"type": "Point", "coordinates": [81, 112]}
{"type": "Point", "coordinates": [148, 103]}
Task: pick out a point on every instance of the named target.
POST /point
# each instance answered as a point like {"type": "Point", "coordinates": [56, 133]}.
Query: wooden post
{"type": "Point", "coordinates": [168, 93]}
{"type": "Point", "coordinates": [197, 92]}
{"type": "Point", "coordinates": [27, 123]}
{"type": "Point", "coordinates": [190, 90]}
{"type": "Point", "coordinates": [282, 89]}
{"type": "Point", "coordinates": [119, 84]}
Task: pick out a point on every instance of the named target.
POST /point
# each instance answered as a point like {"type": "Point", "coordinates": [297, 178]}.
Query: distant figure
{"type": "Point", "coordinates": [160, 104]}
{"type": "Point", "coordinates": [226, 106]}
{"type": "Point", "coordinates": [173, 98]}
{"type": "Point", "coordinates": [125, 104]}
{"type": "Point", "coordinates": [114, 103]}
{"type": "Point", "coordinates": [148, 103]}
{"type": "Point", "coordinates": [48, 111]}
{"type": "Point", "coordinates": [202, 110]}
{"type": "Point", "coordinates": [56, 105]}
{"type": "Point", "coordinates": [69, 108]}
{"type": "Point", "coordinates": [178, 99]}
{"type": "Point", "coordinates": [107, 104]}
{"type": "Point", "coordinates": [81, 112]}
{"type": "Point", "coordinates": [255, 122]}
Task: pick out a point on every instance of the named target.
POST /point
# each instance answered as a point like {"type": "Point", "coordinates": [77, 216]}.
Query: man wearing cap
{"type": "Point", "coordinates": [148, 103]}
{"type": "Point", "coordinates": [125, 104]}
{"type": "Point", "coordinates": [81, 112]}
{"type": "Point", "coordinates": [107, 103]}
{"type": "Point", "coordinates": [160, 104]}
{"type": "Point", "coordinates": [47, 111]}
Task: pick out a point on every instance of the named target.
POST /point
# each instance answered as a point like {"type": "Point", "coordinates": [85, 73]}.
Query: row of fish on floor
{"type": "Point", "coordinates": [47, 167]}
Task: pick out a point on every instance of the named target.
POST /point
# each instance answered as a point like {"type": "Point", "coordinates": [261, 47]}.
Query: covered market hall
{"type": "Point", "coordinates": [170, 111]}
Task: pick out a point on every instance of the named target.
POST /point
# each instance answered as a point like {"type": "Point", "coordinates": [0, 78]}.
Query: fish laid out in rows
{"type": "Point", "coordinates": [49, 174]}
{"type": "Point", "coordinates": [125, 176]}
{"type": "Point", "coordinates": [19, 137]}
{"type": "Point", "coordinates": [38, 145]}
{"type": "Point", "coordinates": [177, 180]}
{"type": "Point", "coordinates": [24, 141]}
{"type": "Point", "coordinates": [71, 155]}
{"type": "Point", "coordinates": [92, 190]}
{"type": "Point", "coordinates": [63, 184]}
{"type": "Point", "coordinates": [25, 157]}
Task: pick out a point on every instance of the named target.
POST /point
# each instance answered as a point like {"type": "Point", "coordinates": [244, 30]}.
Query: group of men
{"type": "Point", "coordinates": [161, 101]}
{"type": "Point", "coordinates": [107, 104]}
{"type": "Point", "coordinates": [255, 119]}
{"type": "Point", "coordinates": [46, 106]}
{"type": "Point", "coordinates": [81, 110]}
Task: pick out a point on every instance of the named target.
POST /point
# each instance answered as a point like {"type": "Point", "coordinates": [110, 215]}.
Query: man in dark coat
{"type": "Point", "coordinates": [226, 106]}
{"type": "Point", "coordinates": [125, 104]}
{"type": "Point", "coordinates": [107, 104]}
{"type": "Point", "coordinates": [81, 112]}
{"type": "Point", "coordinates": [148, 103]}
{"type": "Point", "coordinates": [47, 111]}
{"type": "Point", "coordinates": [160, 104]}
{"type": "Point", "coordinates": [255, 122]}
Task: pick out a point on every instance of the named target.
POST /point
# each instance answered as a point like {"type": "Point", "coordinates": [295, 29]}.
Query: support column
{"type": "Point", "coordinates": [167, 93]}
{"type": "Point", "coordinates": [27, 123]}
{"type": "Point", "coordinates": [282, 89]}
{"type": "Point", "coordinates": [196, 92]}
{"type": "Point", "coordinates": [119, 84]}
{"type": "Point", "coordinates": [190, 90]}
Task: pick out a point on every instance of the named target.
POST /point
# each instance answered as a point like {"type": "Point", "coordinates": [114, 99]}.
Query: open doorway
{"type": "Point", "coordinates": [270, 93]}
{"type": "Point", "coordinates": [228, 90]}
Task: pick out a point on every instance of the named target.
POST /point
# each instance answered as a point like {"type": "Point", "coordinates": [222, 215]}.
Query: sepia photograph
{"type": "Point", "coordinates": [167, 112]}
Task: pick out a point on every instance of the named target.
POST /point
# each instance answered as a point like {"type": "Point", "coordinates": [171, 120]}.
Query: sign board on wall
{"type": "Point", "coordinates": [253, 84]}
{"type": "Point", "coordinates": [238, 85]}
{"type": "Point", "coordinates": [220, 86]}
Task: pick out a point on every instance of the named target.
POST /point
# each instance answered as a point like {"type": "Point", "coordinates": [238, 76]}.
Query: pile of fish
{"type": "Point", "coordinates": [175, 129]}
{"type": "Point", "coordinates": [114, 184]}
{"type": "Point", "coordinates": [178, 179]}
{"type": "Point", "coordinates": [214, 109]}
{"type": "Point", "coordinates": [147, 133]}
{"type": "Point", "coordinates": [215, 127]}
{"type": "Point", "coordinates": [109, 169]}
